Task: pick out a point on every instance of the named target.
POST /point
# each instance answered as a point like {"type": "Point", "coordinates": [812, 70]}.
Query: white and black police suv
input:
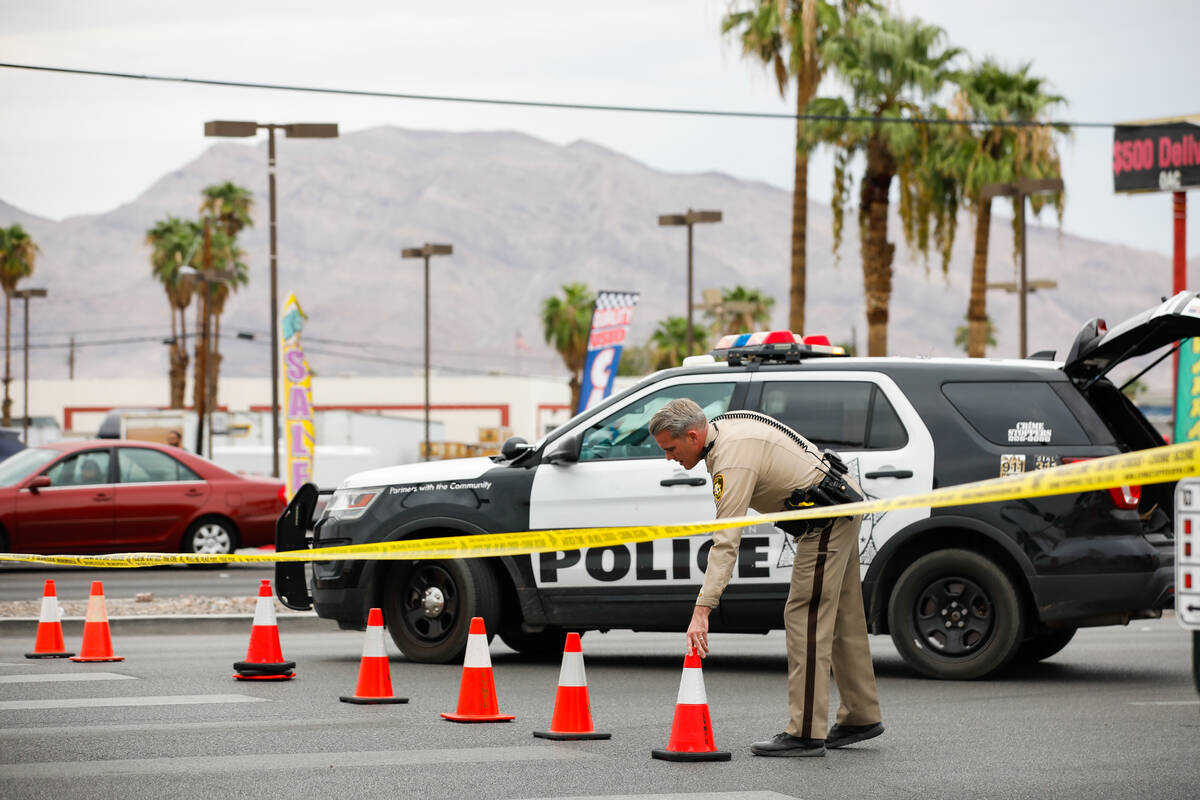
{"type": "Point", "coordinates": [963, 591]}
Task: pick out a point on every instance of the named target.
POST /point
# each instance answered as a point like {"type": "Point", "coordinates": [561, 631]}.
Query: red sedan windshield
{"type": "Point", "coordinates": [18, 466]}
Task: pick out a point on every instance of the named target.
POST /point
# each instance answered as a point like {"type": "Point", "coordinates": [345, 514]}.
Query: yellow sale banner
{"type": "Point", "coordinates": [297, 393]}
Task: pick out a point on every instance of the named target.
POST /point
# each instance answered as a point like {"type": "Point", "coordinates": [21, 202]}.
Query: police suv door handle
{"type": "Point", "coordinates": [890, 473]}
{"type": "Point", "coordinates": [682, 481]}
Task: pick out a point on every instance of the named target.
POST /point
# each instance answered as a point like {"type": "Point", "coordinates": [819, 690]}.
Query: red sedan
{"type": "Point", "coordinates": [109, 496]}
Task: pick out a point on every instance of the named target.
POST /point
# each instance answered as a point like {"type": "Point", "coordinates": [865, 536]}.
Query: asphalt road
{"type": "Point", "coordinates": [1112, 716]}
{"type": "Point", "coordinates": [232, 580]}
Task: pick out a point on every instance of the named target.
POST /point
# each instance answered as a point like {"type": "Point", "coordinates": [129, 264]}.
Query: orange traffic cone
{"type": "Point", "coordinates": [49, 642]}
{"type": "Point", "coordinates": [374, 680]}
{"type": "Point", "coordinates": [477, 695]}
{"type": "Point", "coordinates": [264, 658]}
{"type": "Point", "coordinates": [572, 712]}
{"type": "Point", "coordinates": [691, 732]}
{"type": "Point", "coordinates": [97, 641]}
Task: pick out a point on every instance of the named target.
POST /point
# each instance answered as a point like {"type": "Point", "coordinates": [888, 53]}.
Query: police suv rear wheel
{"type": "Point", "coordinates": [428, 606]}
{"type": "Point", "coordinates": [955, 615]}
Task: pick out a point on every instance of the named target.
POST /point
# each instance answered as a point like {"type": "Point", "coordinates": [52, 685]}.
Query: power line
{"type": "Point", "coordinates": [699, 112]}
{"type": "Point", "coordinates": [93, 343]}
{"type": "Point", "coordinates": [77, 331]}
{"type": "Point", "coordinates": [233, 337]}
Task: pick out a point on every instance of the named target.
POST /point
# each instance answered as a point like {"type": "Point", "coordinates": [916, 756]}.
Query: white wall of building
{"type": "Point", "coordinates": [463, 404]}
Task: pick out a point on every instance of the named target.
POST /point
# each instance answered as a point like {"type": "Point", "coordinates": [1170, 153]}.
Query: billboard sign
{"type": "Point", "coordinates": [1156, 158]}
{"type": "Point", "coordinates": [611, 317]}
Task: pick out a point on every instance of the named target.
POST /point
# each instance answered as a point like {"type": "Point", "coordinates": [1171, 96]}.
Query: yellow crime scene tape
{"type": "Point", "coordinates": [1157, 465]}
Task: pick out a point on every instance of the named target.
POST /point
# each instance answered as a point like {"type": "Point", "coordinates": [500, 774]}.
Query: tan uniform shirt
{"type": "Point", "coordinates": [753, 465]}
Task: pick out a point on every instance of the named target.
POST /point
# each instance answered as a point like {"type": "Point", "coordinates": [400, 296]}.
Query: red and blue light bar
{"type": "Point", "coordinates": [774, 345]}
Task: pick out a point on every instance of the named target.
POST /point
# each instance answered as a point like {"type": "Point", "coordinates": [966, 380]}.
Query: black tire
{"type": "Point", "coordinates": [210, 535]}
{"type": "Point", "coordinates": [544, 644]}
{"type": "Point", "coordinates": [955, 615]}
{"type": "Point", "coordinates": [1042, 646]}
{"type": "Point", "coordinates": [428, 605]}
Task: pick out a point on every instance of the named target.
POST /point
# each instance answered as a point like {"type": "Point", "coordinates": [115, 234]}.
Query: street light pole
{"type": "Point", "coordinates": [1021, 190]}
{"type": "Point", "coordinates": [425, 252]}
{"type": "Point", "coordinates": [25, 294]}
{"type": "Point", "coordinates": [274, 304]}
{"type": "Point", "coordinates": [293, 130]}
{"type": "Point", "coordinates": [689, 219]}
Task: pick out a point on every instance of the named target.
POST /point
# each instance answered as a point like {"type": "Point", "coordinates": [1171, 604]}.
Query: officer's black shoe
{"type": "Point", "coordinates": [842, 735]}
{"type": "Point", "coordinates": [784, 744]}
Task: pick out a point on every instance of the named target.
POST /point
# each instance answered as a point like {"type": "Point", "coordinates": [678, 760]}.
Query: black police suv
{"type": "Point", "coordinates": [963, 591]}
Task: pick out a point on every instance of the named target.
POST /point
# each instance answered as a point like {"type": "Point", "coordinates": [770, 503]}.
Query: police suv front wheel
{"type": "Point", "coordinates": [955, 615]}
{"type": "Point", "coordinates": [428, 606]}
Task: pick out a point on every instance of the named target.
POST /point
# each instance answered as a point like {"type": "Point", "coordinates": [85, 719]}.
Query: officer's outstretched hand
{"type": "Point", "coordinates": [697, 632]}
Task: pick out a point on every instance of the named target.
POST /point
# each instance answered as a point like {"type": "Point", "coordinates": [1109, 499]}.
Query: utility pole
{"type": "Point", "coordinates": [71, 359]}
{"type": "Point", "coordinates": [25, 294]}
{"type": "Point", "coordinates": [425, 252]}
{"type": "Point", "coordinates": [689, 219]}
{"type": "Point", "coordinates": [201, 380]}
{"type": "Point", "coordinates": [1021, 190]}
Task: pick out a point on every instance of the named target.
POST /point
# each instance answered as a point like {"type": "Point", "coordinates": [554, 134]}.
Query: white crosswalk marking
{"type": "Point", "coordinates": [55, 677]}
{"type": "Point", "coordinates": [686, 796]}
{"type": "Point", "coordinates": [102, 702]}
{"type": "Point", "coordinates": [260, 762]}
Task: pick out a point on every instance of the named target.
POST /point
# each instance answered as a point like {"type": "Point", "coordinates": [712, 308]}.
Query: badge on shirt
{"type": "Point", "coordinates": [718, 486]}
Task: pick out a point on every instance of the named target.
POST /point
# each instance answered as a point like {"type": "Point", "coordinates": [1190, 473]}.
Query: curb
{"type": "Point", "coordinates": [173, 624]}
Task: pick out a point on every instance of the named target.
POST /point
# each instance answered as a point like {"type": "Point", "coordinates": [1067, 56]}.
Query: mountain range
{"type": "Point", "coordinates": [524, 217]}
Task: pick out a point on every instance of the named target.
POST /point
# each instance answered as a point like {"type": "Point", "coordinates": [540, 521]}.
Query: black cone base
{"type": "Point", "coordinates": [372, 701]}
{"type": "Point", "coordinates": [566, 737]}
{"type": "Point", "coordinates": [672, 755]}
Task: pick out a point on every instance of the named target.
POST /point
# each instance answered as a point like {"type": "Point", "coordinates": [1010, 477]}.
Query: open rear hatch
{"type": "Point", "coordinates": [1098, 349]}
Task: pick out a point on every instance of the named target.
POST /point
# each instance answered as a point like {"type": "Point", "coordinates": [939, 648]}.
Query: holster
{"type": "Point", "coordinates": [832, 490]}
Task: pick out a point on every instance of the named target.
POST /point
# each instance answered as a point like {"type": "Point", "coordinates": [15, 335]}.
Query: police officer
{"type": "Point", "coordinates": [757, 462]}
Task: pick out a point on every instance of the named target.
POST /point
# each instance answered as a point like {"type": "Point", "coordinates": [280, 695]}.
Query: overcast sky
{"type": "Point", "coordinates": [74, 145]}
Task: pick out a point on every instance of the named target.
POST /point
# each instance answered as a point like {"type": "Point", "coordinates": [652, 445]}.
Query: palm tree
{"type": "Point", "coordinates": [229, 205]}
{"type": "Point", "coordinates": [18, 252]}
{"type": "Point", "coordinates": [1000, 154]}
{"type": "Point", "coordinates": [785, 36]}
{"type": "Point", "coordinates": [889, 65]}
{"type": "Point", "coordinates": [741, 310]}
{"type": "Point", "coordinates": [174, 244]}
{"type": "Point", "coordinates": [962, 336]}
{"type": "Point", "coordinates": [566, 322]}
{"type": "Point", "coordinates": [227, 257]}
{"type": "Point", "coordinates": [669, 342]}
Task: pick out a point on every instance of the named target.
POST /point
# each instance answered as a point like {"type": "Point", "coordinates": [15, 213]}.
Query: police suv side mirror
{"type": "Point", "coordinates": [565, 450]}
{"type": "Point", "coordinates": [514, 446]}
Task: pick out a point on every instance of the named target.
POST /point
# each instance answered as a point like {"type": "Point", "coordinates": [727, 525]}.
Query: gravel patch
{"type": "Point", "coordinates": [185, 605]}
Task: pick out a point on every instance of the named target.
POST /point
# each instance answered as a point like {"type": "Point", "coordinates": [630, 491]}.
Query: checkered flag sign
{"type": "Point", "coordinates": [606, 299]}
{"type": "Point", "coordinates": [611, 317]}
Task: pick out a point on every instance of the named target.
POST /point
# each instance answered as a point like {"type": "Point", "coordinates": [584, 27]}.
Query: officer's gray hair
{"type": "Point", "coordinates": [677, 417]}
